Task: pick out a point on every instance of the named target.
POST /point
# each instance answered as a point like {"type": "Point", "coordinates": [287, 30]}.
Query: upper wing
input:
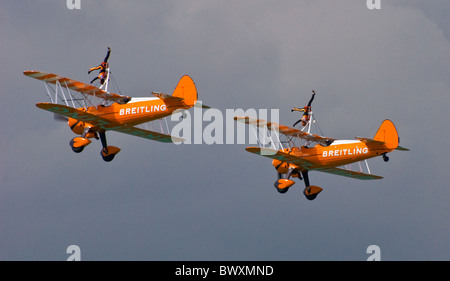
{"type": "Point", "coordinates": [284, 130]}
{"type": "Point", "coordinates": [105, 124]}
{"type": "Point", "coordinates": [73, 85]}
{"type": "Point", "coordinates": [304, 164]}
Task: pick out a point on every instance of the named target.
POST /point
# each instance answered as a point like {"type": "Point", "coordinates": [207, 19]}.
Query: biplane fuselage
{"type": "Point", "coordinates": [136, 111]}
{"type": "Point", "coordinates": [115, 112]}
{"type": "Point", "coordinates": [341, 152]}
{"type": "Point", "coordinates": [327, 155]}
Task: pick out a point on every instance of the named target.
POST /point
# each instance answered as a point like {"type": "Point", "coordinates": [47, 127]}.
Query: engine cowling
{"type": "Point", "coordinates": [281, 167]}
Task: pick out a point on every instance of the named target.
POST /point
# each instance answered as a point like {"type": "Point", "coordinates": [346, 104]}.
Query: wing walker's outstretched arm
{"type": "Point", "coordinates": [312, 98]}
{"type": "Point", "coordinates": [306, 110]}
{"type": "Point", "coordinates": [103, 66]}
{"type": "Point", "coordinates": [107, 55]}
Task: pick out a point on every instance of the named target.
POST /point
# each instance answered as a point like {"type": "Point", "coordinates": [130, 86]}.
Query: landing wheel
{"type": "Point", "coordinates": [311, 196]}
{"type": "Point", "coordinates": [282, 185]}
{"type": "Point", "coordinates": [281, 190]}
{"type": "Point", "coordinates": [385, 158]}
{"type": "Point", "coordinates": [109, 153]}
{"type": "Point", "coordinates": [77, 149]}
{"type": "Point", "coordinates": [107, 158]}
{"type": "Point", "coordinates": [311, 192]}
{"type": "Point", "coordinates": [77, 144]}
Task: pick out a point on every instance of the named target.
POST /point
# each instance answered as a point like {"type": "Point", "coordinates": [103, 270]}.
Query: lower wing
{"type": "Point", "coordinates": [105, 124]}
{"type": "Point", "coordinates": [350, 174]}
{"type": "Point", "coordinates": [304, 164]}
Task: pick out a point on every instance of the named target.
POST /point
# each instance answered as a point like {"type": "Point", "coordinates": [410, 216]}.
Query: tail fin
{"type": "Point", "coordinates": [186, 90]}
{"type": "Point", "coordinates": [387, 133]}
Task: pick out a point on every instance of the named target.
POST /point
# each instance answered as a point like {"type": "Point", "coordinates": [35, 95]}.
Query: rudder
{"type": "Point", "coordinates": [387, 133]}
{"type": "Point", "coordinates": [186, 90]}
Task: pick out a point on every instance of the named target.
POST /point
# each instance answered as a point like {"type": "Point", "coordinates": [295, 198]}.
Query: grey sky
{"type": "Point", "coordinates": [217, 202]}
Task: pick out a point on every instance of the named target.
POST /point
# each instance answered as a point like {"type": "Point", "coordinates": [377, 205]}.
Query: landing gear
{"type": "Point", "coordinates": [77, 144]}
{"type": "Point", "coordinates": [108, 152]}
{"type": "Point", "coordinates": [282, 185]}
{"type": "Point", "coordinates": [385, 157]}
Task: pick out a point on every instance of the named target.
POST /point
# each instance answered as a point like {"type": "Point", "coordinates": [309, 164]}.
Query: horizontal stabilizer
{"type": "Point", "coordinates": [367, 140]}
{"type": "Point", "coordinates": [371, 141]}
{"type": "Point", "coordinates": [402, 148]}
{"type": "Point", "coordinates": [200, 105]}
{"type": "Point", "coordinates": [166, 97]}
{"type": "Point", "coordinates": [176, 100]}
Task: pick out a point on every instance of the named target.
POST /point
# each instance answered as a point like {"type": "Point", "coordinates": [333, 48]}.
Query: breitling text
{"type": "Point", "coordinates": [346, 151]}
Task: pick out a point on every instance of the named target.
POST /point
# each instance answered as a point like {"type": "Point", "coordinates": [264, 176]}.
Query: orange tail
{"type": "Point", "coordinates": [186, 90]}
{"type": "Point", "coordinates": [387, 133]}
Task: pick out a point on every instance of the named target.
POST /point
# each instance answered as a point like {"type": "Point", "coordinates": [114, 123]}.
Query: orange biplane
{"type": "Point", "coordinates": [317, 153]}
{"type": "Point", "coordinates": [98, 110]}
